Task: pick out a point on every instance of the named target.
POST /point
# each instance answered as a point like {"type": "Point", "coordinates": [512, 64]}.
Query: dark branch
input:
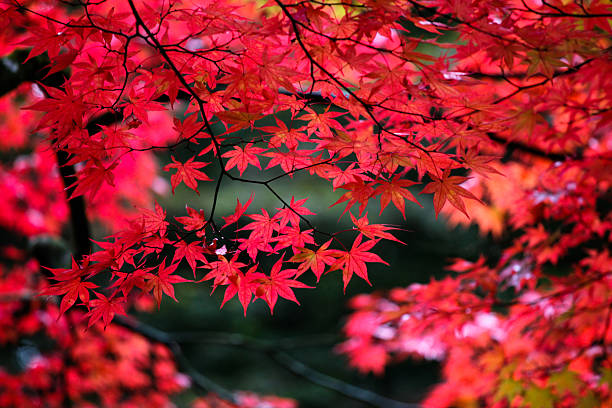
{"type": "Point", "coordinates": [14, 71]}
{"type": "Point", "coordinates": [512, 146]}
{"type": "Point", "coordinates": [78, 215]}
{"type": "Point", "coordinates": [348, 390]}
{"type": "Point", "coordinates": [274, 350]}
{"type": "Point", "coordinates": [153, 334]}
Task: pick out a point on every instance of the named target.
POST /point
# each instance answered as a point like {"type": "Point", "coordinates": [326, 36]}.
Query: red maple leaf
{"type": "Point", "coordinates": [314, 260]}
{"type": "Point", "coordinates": [373, 231]}
{"type": "Point", "coordinates": [358, 192]}
{"type": "Point", "coordinates": [354, 260]}
{"type": "Point", "coordinates": [283, 135]}
{"type": "Point", "coordinates": [195, 221]}
{"type": "Point", "coordinates": [262, 226]}
{"type": "Point", "coordinates": [255, 243]}
{"type": "Point", "coordinates": [242, 157]}
{"type": "Point", "coordinates": [104, 308]}
{"type": "Point", "coordinates": [126, 281]}
{"type": "Point", "coordinates": [238, 212]}
{"type": "Point", "coordinates": [293, 237]}
{"type": "Point", "coordinates": [92, 177]}
{"type": "Point", "coordinates": [292, 213]}
{"type": "Point", "coordinates": [243, 285]}
{"type": "Point", "coordinates": [72, 290]}
{"type": "Point", "coordinates": [155, 221]}
{"type": "Point", "coordinates": [187, 172]}
{"type": "Point", "coordinates": [323, 122]}
{"type": "Point", "coordinates": [161, 282]}
{"type": "Point", "coordinates": [279, 283]}
{"type": "Point", "coordinates": [191, 252]}
{"type": "Point", "coordinates": [479, 163]}
{"type": "Point", "coordinates": [448, 188]}
{"type": "Point", "coordinates": [290, 161]}
{"type": "Point", "coordinates": [396, 191]}
{"type": "Point", "coordinates": [340, 177]}
{"type": "Point", "coordinates": [222, 269]}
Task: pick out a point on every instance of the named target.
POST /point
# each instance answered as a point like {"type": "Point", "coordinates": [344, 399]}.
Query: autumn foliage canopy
{"type": "Point", "coordinates": [497, 113]}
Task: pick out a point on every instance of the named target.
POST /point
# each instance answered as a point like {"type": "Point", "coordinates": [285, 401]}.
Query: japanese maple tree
{"type": "Point", "coordinates": [495, 112]}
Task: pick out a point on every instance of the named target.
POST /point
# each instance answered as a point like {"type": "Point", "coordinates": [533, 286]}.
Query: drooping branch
{"type": "Point", "coordinates": [156, 335]}
{"type": "Point", "coordinates": [512, 146]}
{"type": "Point", "coordinates": [275, 353]}
{"type": "Point", "coordinates": [348, 390]}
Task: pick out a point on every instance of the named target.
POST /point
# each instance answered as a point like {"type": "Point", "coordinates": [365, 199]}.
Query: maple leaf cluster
{"type": "Point", "coordinates": [71, 364]}
{"type": "Point", "coordinates": [509, 124]}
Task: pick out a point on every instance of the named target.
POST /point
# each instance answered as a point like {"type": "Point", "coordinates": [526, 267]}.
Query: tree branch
{"type": "Point", "coordinates": [511, 146]}
{"type": "Point", "coordinates": [275, 353]}
{"type": "Point", "coordinates": [78, 215]}
{"type": "Point", "coordinates": [14, 72]}
{"type": "Point", "coordinates": [156, 335]}
{"type": "Point", "coordinates": [348, 390]}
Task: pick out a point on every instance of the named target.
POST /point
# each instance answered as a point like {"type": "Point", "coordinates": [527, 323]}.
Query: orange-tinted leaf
{"type": "Point", "coordinates": [395, 190]}
{"type": "Point", "coordinates": [448, 188]}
